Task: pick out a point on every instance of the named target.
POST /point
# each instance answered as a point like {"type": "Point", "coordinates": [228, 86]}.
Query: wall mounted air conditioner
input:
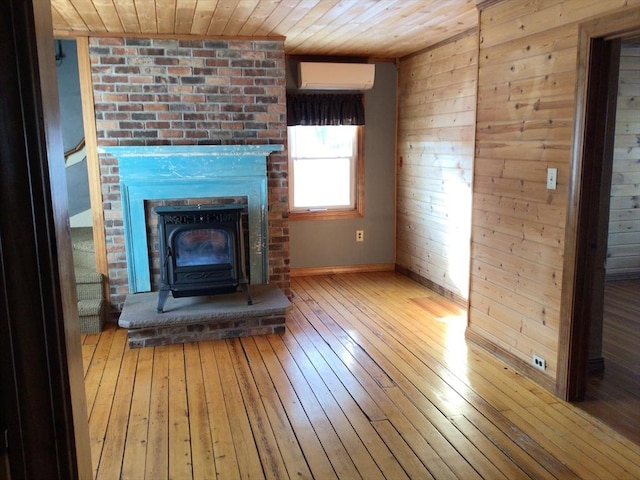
{"type": "Point", "coordinates": [335, 76]}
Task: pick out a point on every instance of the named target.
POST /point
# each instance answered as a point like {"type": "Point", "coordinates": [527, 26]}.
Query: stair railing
{"type": "Point", "coordinates": [73, 150]}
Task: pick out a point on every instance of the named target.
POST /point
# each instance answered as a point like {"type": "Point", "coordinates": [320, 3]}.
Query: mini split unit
{"type": "Point", "coordinates": [335, 76]}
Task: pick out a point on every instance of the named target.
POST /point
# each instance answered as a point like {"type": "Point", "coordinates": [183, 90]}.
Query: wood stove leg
{"type": "Point", "coordinates": [162, 298]}
{"type": "Point", "coordinates": [245, 288]}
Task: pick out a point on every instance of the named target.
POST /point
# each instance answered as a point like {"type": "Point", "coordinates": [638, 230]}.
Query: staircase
{"type": "Point", "coordinates": [89, 283]}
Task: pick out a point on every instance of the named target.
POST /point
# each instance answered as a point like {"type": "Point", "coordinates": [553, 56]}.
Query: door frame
{"type": "Point", "coordinates": [592, 141]}
{"type": "Point", "coordinates": [43, 414]}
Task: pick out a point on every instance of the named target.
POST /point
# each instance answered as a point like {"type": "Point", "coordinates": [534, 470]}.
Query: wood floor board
{"type": "Point", "coordinates": [344, 448]}
{"type": "Point", "coordinates": [89, 343]}
{"type": "Point", "coordinates": [405, 456]}
{"type": "Point", "coordinates": [203, 463]}
{"type": "Point", "coordinates": [99, 418]}
{"type": "Point", "coordinates": [594, 437]}
{"type": "Point", "coordinates": [410, 424]}
{"type": "Point", "coordinates": [372, 452]}
{"type": "Point", "coordinates": [292, 407]}
{"type": "Point", "coordinates": [241, 444]}
{"type": "Point", "coordinates": [406, 334]}
{"type": "Point", "coordinates": [522, 451]}
{"type": "Point", "coordinates": [370, 339]}
{"type": "Point", "coordinates": [233, 445]}
{"type": "Point", "coordinates": [180, 462]}
{"type": "Point", "coordinates": [582, 465]}
{"type": "Point", "coordinates": [157, 452]}
{"type": "Point", "coordinates": [614, 438]}
{"type": "Point", "coordinates": [579, 445]}
{"type": "Point", "coordinates": [350, 381]}
{"type": "Point", "coordinates": [373, 379]}
{"type": "Point", "coordinates": [503, 463]}
{"type": "Point", "coordinates": [135, 453]}
{"type": "Point", "coordinates": [287, 442]}
{"type": "Point", "coordinates": [116, 433]}
{"type": "Point", "coordinates": [614, 395]}
{"type": "Point", "coordinates": [271, 456]}
{"type": "Point", "coordinates": [95, 369]}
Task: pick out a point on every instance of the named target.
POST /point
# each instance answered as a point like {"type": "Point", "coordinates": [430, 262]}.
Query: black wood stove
{"type": "Point", "coordinates": [201, 251]}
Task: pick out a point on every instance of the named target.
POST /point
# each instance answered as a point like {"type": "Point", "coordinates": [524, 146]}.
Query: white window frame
{"type": "Point", "coordinates": [356, 206]}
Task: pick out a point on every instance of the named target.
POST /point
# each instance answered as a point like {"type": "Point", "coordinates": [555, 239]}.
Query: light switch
{"type": "Point", "coordinates": [552, 178]}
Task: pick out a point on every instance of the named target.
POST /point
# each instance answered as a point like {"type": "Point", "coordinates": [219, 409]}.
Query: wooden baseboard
{"type": "Point", "coordinates": [439, 289]}
{"type": "Point", "coordinates": [615, 277]}
{"type": "Point", "coordinates": [375, 267]}
{"type": "Point", "coordinates": [518, 364]}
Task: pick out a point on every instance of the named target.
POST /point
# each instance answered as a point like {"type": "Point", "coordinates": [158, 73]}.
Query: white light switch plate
{"type": "Point", "coordinates": [552, 178]}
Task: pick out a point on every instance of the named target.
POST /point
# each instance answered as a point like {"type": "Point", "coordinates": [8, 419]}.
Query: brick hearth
{"type": "Point", "coordinates": [194, 319]}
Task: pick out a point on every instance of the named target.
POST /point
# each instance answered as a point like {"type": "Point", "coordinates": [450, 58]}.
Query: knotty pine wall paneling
{"type": "Point", "coordinates": [437, 99]}
{"type": "Point", "coordinates": [525, 118]}
{"type": "Point", "coordinates": [623, 246]}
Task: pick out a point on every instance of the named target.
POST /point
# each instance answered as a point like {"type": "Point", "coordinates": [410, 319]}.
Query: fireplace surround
{"type": "Point", "coordinates": [211, 175]}
{"type": "Point", "coordinates": [191, 172]}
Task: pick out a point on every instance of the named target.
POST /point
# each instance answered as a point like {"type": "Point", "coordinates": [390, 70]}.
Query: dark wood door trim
{"type": "Point", "coordinates": [42, 399]}
{"type": "Point", "coordinates": [595, 113]}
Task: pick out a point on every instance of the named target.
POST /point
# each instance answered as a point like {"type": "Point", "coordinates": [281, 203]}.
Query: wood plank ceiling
{"type": "Point", "coordinates": [369, 28]}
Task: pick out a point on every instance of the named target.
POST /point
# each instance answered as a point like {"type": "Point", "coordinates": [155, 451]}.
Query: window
{"type": "Point", "coordinates": [325, 171]}
{"type": "Point", "coordinates": [326, 168]}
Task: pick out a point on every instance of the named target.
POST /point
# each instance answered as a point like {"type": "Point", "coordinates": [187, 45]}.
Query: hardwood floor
{"type": "Point", "coordinates": [373, 379]}
{"type": "Point", "coordinates": [614, 395]}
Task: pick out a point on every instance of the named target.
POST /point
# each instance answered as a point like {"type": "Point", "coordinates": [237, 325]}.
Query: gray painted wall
{"type": "Point", "coordinates": [331, 243]}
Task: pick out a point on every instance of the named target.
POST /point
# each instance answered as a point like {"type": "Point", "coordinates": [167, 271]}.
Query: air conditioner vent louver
{"type": "Point", "coordinates": [335, 76]}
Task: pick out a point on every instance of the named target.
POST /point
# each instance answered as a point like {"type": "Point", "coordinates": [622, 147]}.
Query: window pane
{"type": "Point", "coordinates": [324, 182]}
{"type": "Point", "coordinates": [323, 161]}
{"type": "Point", "coordinates": [323, 141]}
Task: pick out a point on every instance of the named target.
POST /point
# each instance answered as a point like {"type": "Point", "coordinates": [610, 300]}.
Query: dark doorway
{"type": "Point", "coordinates": [591, 247]}
{"type": "Point", "coordinates": [612, 391]}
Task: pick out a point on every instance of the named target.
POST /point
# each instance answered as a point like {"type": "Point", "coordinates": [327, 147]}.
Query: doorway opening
{"type": "Point", "coordinates": [73, 141]}
{"type": "Point", "coordinates": [612, 390]}
{"type": "Point", "coordinates": [84, 207]}
{"type": "Point", "coordinates": [602, 260]}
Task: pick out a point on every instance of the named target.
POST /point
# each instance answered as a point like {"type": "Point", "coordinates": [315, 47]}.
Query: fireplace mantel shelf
{"type": "Point", "coordinates": [186, 172]}
{"type": "Point", "coordinates": [189, 150]}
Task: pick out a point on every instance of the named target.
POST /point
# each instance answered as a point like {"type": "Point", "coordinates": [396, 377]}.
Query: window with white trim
{"type": "Point", "coordinates": [323, 162]}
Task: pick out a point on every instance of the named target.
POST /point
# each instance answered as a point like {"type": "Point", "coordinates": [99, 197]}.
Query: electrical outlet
{"type": "Point", "coordinates": [359, 235]}
{"type": "Point", "coordinates": [539, 363]}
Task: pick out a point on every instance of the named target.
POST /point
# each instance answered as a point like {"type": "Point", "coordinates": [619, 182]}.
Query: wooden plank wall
{"type": "Point", "coordinates": [437, 99]}
{"type": "Point", "coordinates": [623, 247]}
{"type": "Point", "coordinates": [525, 118]}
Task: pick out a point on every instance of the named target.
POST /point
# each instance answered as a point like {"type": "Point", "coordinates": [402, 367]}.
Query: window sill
{"type": "Point", "coordinates": [325, 215]}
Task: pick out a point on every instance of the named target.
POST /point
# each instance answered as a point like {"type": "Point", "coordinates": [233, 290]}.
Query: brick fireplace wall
{"type": "Point", "coordinates": [190, 92]}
